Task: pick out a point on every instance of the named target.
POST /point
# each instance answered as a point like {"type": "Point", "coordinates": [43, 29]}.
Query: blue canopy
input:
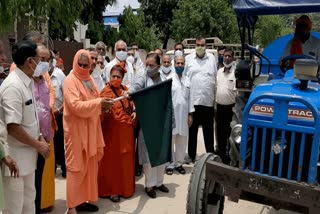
{"type": "Point", "coordinates": [269, 7]}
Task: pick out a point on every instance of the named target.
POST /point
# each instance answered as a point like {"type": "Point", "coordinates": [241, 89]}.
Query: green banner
{"type": "Point", "coordinates": [154, 111]}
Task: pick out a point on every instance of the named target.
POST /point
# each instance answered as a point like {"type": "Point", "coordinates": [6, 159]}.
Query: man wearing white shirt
{"type": "Point", "coordinates": [57, 78]}
{"type": "Point", "coordinates": [25, 141]}
{"type": "Point", "coordinates": [201, 68]}
{"type": "Point", "coordinates": [95, 70]}
{"type": "Point", "coordinates": [183, 115]}
{"type": "Point", "coordinates": [138, 66]}
{"type": "Point", "coordinates": [121, 57]}
{"type": "Point", "coordinates": [101, 48]}
{"type": "Point", "coordinates": [166, 68]}
{"type": "Point", "coordinates": [138, 61]}
{"type": "Point", "coordinates": [225, 99]}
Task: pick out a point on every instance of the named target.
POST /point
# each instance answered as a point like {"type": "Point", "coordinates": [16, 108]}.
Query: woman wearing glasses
{"type": "Point", "coordinates": [83, 136]}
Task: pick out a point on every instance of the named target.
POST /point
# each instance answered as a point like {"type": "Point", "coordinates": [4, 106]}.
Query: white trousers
{"type": "Point", "coordinates": [19, 194]}
{"type": "Point", "coordinates": [179, 146]}
{"type": "Point", "coordinates": [154, 175]}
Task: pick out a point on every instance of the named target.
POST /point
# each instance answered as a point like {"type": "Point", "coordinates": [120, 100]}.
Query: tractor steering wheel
{"type": "Point", "coordinates": [284, 65]}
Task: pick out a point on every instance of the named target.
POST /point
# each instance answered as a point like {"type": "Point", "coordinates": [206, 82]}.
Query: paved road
{"type": "Point", "coordinates": [170, 203]}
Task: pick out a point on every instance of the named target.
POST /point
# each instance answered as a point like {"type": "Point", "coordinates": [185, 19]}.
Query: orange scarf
{"type": "Point", "coordinates": [81, 73]}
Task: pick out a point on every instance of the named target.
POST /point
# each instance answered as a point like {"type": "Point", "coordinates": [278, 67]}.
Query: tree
{"type": "Point", "coordinates": [207, 18]}
{"type": "Point", "coordinates": [160, 14]}
{"type": "Point", "coordinates": [61, 14]}
{"type": "Point", "coordinates": [133, 29]}
{"type": "Point", "coordinates": [62, 17]}
{"type": "Point", "coordinates": [92, 15]}
{"type": "Point", "coordinates": [269, 28]}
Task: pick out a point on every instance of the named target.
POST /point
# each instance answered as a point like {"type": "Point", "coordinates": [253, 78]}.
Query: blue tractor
{"type": "Point", "coordinates": [275, 137]}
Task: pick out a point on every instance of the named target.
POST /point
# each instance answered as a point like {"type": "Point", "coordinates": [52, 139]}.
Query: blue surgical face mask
{"type": "Point", "coordinates": [179, 70]}
{"type": "Point", "coordinates": [220, 59]}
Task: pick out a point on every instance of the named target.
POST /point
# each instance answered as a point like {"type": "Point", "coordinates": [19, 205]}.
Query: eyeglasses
{"type": "Point", "coordinates": [121, 49]}
{"type": "Point", "coordinates": [94, 58]}
{"type": "Point", "coordinates": [83, 65]}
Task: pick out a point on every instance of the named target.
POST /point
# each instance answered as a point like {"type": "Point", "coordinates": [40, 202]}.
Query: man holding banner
{"type": "Point", "coordinates": [154, 111]}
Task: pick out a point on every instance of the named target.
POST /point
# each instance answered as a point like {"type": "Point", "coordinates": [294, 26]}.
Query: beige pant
{"type": "Point", "coordinates": [154, 175]}
{"type": "Point", "coordinates": [19, 194]}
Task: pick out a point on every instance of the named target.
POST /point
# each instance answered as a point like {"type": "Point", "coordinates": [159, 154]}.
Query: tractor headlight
{"type": "Point", "coordinates": [236, 133]}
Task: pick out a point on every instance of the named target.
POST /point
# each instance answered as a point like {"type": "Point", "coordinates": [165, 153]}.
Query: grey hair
{"type": "Point", "coordinates": [175, 58]}
{"type": "Point", "coordinates": [101, 43]}
{"type": "Point", "coordinates": [119, 42]}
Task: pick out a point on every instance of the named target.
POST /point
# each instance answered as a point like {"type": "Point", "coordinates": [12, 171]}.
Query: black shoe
{"type": "Point", "coordinates": [169, 171]}
{"type": "Point", "coordinates": [87, 207]}
{"type": "Point", "coordinates": [115, 198]}
{"type": "Point", "coordinates": [151, 192]}
{"type": "Point", "coordinates": [181, 170]}
{"type": "Point", "coordinates": [162, 188]}
{"type": "Point", "coordinates": [138, 171]}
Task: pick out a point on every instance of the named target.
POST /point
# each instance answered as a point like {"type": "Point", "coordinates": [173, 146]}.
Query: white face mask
{"type": "Point", "coordinates": [178, 53]}
{"type": "Point", "coordinates": [130, 59]}
{"type": "Point", "coordinates": [227, 65]}
{"type": "Point", "coordinates": [1, 69]}
{"type": "Point", "coordinates": [166, 70]}
{"type": "Point", "coordinates": [54, 63]}
{"type": "Point", "coordinates": [42, 67]}
{"type": "Point", "coordinates": [121, 55]}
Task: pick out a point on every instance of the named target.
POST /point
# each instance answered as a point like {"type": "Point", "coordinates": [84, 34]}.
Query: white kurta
{"type": "Point", "coordinates": [153, 175]}
{"type": "Point", "coordinates": [202, 74]}
{"type": "Point", "coordinates": [128, 77]}
{"type": "Point", "coordinates": [181, 104]}
{"type": "Point", "coordinates": [98, 80]}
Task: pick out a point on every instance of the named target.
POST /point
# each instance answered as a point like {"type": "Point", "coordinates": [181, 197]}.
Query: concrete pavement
{"type": "Point", "coordinates": [173, 202]}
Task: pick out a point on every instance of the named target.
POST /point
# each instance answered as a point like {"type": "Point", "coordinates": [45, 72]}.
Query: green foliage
{"type": "Point", "coordinates": [207, 18]}
{"type": "Point", "coordinates": [160, 14]}
{"type": "Point", "coordinates": [92, 15]}
{"type": "Point", "coordinates": [95, 31]}
{"type": "Point", "coordinates": [61, 15]}
{"type": "Point", "coordinates": [6, 15]}
{"type": "Point", "coordinates": [269, 28]}
{"type": "Point", "coordinates": [133, 29]}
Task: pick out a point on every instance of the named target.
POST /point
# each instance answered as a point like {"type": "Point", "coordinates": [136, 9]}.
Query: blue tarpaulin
{"type": "Point", "coordinates": [269, 7]}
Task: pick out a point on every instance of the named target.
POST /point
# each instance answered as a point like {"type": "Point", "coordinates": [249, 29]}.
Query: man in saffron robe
{"type": "Point", "coordinates": [83, 136]}
{"type": "Point", "coordinates": [116, 169]}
